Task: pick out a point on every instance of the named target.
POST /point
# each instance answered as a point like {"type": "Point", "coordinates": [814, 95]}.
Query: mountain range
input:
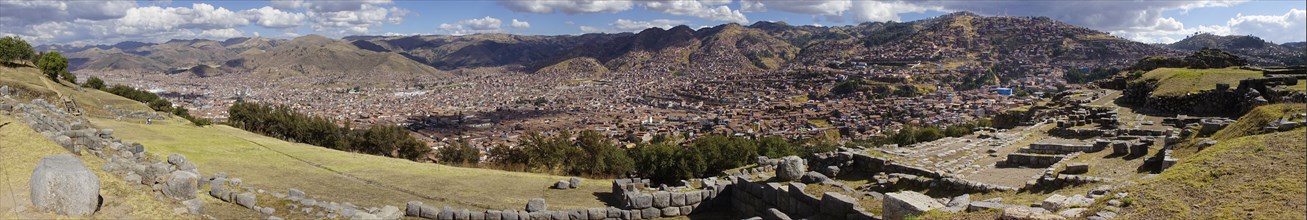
{"type": "Point", "coordinates": [953, 38]}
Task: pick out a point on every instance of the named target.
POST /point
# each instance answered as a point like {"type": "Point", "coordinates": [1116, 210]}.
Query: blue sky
{"type": "Point", "coordinates": [106, 22]}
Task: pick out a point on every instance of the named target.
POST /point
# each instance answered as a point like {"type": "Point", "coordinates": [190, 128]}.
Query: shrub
{"type": "Point", "coordinates": [94, 83]}
{"type": "Point", "coordinates": [52, 65]}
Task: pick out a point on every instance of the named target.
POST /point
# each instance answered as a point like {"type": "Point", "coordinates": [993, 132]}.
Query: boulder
{"type": "Point", "coordinates": [597, 213]}
{"type": "Point", "coordinates": [791, 168]}
{"type": "Point", "coordinates": [670, 211]}
{"type": "Point", "coordinates": [413, 208]}
{"type": "Point", "coordinates": [429, 212]}
{"type": "Point", "coordinates": [1053, 202]}
{"type": "Point", "coordinates": [181, 185]}
{"type": "Point", "coordinates": [535, 205]}
{"type": "Point", "coordinates": [958, 203]}
{"type": "Point", "coordinates": [1072, 212]}
{"type": "Point", "coordinates": [562, 184]}
{"type": "Point", "coordinates": [813, 177]}
{"type": "Point", "coordinates": [246, 199]}
{"type": "Point", "coordinates": [63, 185]}
{"type": "Point", "coordinates": [296, 194]}
{"type": "Point", "coordinates": [176, 159]}
{"type": "Point", "coordinates": [194, 206]}
{"type": "Point", "coordinates": [574, 182]}
{"type": "Point", "coordinates": [907, 203]}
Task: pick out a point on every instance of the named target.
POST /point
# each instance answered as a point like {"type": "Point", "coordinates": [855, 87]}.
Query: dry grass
{"type": "Point", "coordinates": [20, 150]}
{"type": "Point", "coordinates": [364, 180]}
{"type": "Point", "coordinates": [1254, 177]}
{"type": "Point", "coordinates": [90, 101]}
{"type": "Point", "coordinates": [1301, 87]}
{"type": "Point", "coordinates": [1253, 121]}
{"type": "Point", "coordinates": [1178, 82]}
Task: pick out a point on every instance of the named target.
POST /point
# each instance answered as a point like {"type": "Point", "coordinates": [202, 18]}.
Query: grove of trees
{"type": "Point", "coordinates": [284, 123]}
{"type": "Point", "coordinates": [150, 99]}
{"type": "Point", "coordinates": [14, 50]}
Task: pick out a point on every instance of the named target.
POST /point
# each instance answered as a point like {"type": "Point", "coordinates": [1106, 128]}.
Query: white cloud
{"type": "Point", "coordinates": [634, 26]}
{"type": "Point", "coordinates": [224, 33]}
{"type": "Point", "coordinates": [623, 25]}
{"type": "Point", "coordinates": [752, 6]}
{"type": "Point", "coordinates": [270, 17]}
{"type": "Point", "coordinates": [707, 9]}
{"type": "Point", "coordinates": [568, 6]}
{"type": "Point", "coordinates": [15, 14]}
{"type": "Point", "coordinates": [471, 26]}
{"type": "Point", "coordinates": [1289, 27]}
{"type": "Point", "coordinates": [520, 24]}
{"type": "Point", "coordinates": [353, 22]}
{"type": "Point", "coordinates": [872, 11]}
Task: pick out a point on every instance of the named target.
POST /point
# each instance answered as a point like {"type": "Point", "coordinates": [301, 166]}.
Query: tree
{"type": "Point", "coordinates": [460, 152]}
{"type": "Point", "coordinates": [13, 49]}
{"type": "Point", "coordinates": [52, 65]}
{"type": "Point", "coordinates": [94, 83]}
{"type": "Point", "coordinates": [776, 147]}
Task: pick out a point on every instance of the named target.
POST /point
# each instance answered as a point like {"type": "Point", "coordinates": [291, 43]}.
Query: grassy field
{"type": "Point", "coordinates": [1254, 177]}
{"type": "Point", "coordinates": [91, 101]}
{"type": "Point", "coordinates": [1178, 82]}
{"type": "Point", "coordinates": [21, 149]}
{"type": "Point", "coordinates": [1301, 87]}
{"type": "Point", "coordinates": [366, 180]}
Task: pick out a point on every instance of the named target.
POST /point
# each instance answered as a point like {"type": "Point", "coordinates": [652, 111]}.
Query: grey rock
{"type": "Point", "coordinates": [247, 199]}
{"type": "Point", "coordinates": [363, 216]}
{"type": "Point", "coordinates": [295, 194]}
{"type": "Point", "coordinates": [813, 177]}
{"type": "Point", "coordinates": [390, 212]}
{"type": "Point", "coordinates": [194, 206]}
{"type": "Point", "coordinates": [176, 159]}
{"type": "Point", "coordinates": [985, 205]}
{"type": "Point", "coordinates": [574, 182]}
{"type": "Point", "coordinates": [1072, 212]}
{"type": "Point", "coordinates": [791, 168]}
{"type": "Point", "coordinates": [181, 185]}
{"type": "Point", "coordinates": [835, 204]}
{"type": "Point", "coordinates": [678, 199]}
{"type": "Point", "coordinates": [429, 212]}
{"type": "Point", "coordinates": [662, 199]}
{"type": "Point", "coordinates": [536, 205]}
{"type": "Point", "coordinates": [509, 215]}
{"type": "Point", "coordinates": [562, 184]}
{"type": "Point", "coordinates": [267, 210]}
{"type": "Point", "coordinates": [413, 208]}
{"type": "Point", "coordinates": [597, 213]}
{"type": "Point", "coordinates": [640, 200]}
{"type": "Point", "coordinates": [63, 185]}
{"type": "Point", "coordinates": [670, 211]}
{"type": "Point", "coordinates": [650, 213]}
{"type": "Point", "coordinates": [907, 203]}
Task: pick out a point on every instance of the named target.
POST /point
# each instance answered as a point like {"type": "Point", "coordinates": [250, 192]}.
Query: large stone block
{"type": "Point", "coordinates": [247, 199]}
{"type": "Point", "coordinates": [835, 204]}
{"type": "Point", "coordinates": [413, 208]}
{"type": "Point", "coordinates": [1054, 202]}
{"type": "Point", "coordinates": [678, 199]}
{"type": "Point", "coordinates": [536, 205]}
{"type": "Point", "coordinates": [641, 200]}
{"type": "Point", "coordinates": [181, 185]}
{"type": "Point", "coordinates": [907, 203]}
{"type": "Point", "coordinates": [597, 213]}
{"type": "Point", "coordinates": [63, 185]}
{"type": "Point", "coordinates": [662, 199]}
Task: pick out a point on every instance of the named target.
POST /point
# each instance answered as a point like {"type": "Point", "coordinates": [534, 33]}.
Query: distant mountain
{"type": "Point", "coordinates": [308, 54]}
{"type": "Point", "coordinates": [1256, 50]}
{"type": "Point", "coordinates": [949, 40]}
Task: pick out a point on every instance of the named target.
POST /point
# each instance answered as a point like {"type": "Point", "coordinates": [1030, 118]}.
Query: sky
{"type": "Point", "coordinates": [82, 22]}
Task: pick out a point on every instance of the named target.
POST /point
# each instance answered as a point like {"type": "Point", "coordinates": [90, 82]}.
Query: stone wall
{"type": "Point", "coordinates": [1032, 160]}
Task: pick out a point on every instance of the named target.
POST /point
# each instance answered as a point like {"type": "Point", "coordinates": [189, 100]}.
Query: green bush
{"type": "Point", "coordinates": [52, 65]}
{"type": "Point", "coordinates": [14, 49]}
{"type": "Point", "coordinates": [94, 83]}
